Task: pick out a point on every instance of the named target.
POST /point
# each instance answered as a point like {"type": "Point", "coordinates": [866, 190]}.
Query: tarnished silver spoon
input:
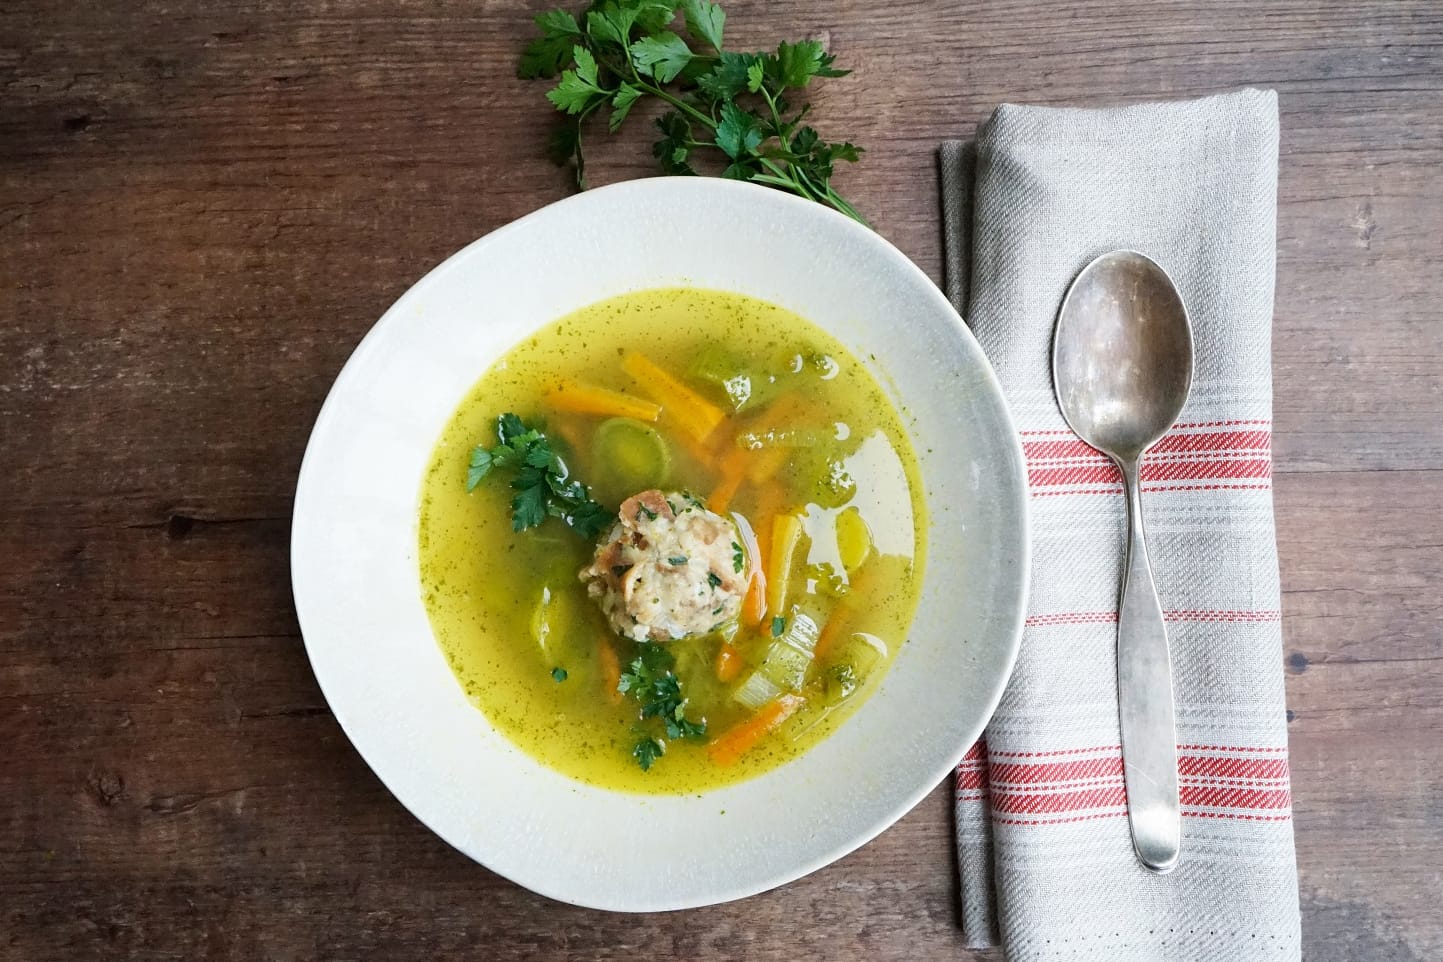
{"type": "Point", "coordinates": [1122, 362]}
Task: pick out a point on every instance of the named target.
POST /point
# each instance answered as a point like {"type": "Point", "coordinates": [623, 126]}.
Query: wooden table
{"type": "Point", "coordinates": [204, 206]}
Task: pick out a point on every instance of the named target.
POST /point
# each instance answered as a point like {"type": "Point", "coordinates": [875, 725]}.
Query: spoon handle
{"type": "Point", "coordinates": [1145, 707]}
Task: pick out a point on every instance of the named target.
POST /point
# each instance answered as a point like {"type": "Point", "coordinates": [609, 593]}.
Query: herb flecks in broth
{"type": "Point", "coordinates": [755, 582]}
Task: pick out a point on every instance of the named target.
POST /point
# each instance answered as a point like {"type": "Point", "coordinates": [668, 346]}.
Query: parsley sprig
{"type": "Point", "coordinates": [649, 679]}
{"type": "Point", "coordinates": [734, 104]}
{"type": "Point", "coordinates": [543, 483]}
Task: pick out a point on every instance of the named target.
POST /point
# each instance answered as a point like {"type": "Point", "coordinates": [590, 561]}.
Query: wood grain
{"type": "Point", "coordinates": [203, 208]}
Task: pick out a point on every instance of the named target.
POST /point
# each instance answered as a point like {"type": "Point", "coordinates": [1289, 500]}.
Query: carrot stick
{"type": "Point", "coordinates": [610, 671]}
{"type": "Point", "coordinates": [569, 434]}
{"type": "Point", "coordinates": [586, 399]}
{"type": "Point", "coordinates": [832, 630]}
{"type": "Point", "coordinates": [754, 605]}
{"type": "Point", "coordinates": [769, 502]}
{"type": "Point", "coordinates": [786, 533]}
{"type": "Point", "coordinates": [721, 495]}
{"type": "Point", "coordinates": [693, 413]}
{"type": "Point", "coordinates": [766, 464]}
{"type": "Point", "coordinates": [728, 747]}
{"type": "Point", "coordinates": [733, 470]}
{"type": "Point", "coordinates": [770, 499]}
{"type": "Point", "coordinates": [701, 453]}
{"type": "Point", "coordinates": [754, 602]}
{"type": "Point", "coordinates": [767, 461]}
{"type": "Point", "coordinates": [728, 662]}
{"type": "Point", "coordinates": [839, 623]}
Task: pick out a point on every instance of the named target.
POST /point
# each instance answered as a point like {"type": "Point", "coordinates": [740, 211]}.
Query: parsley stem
{"type": "Point", "coordinates": [782, 137]}
{"type": "Point", "coordinates": [812, 188]}
{"type": "Point", "coordinates": [840, 204]}
{"type": "Point", "coordinates": [789, 175]}
{"type": "Point", "coordinates": [620, 56]}
{"type": "Point", "coordinates": [678, 103]}
{"type": "Point", "coordinates": [651, 88]}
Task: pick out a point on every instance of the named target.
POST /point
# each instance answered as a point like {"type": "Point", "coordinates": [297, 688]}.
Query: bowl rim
{"type": "Point", "coordinates": [395, 315]}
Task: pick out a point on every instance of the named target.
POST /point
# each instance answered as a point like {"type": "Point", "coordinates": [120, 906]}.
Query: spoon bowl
{"type": "Point", "coordinates": [1122, 358]}
{"type": "Point", "coordinates": [1122, 362]}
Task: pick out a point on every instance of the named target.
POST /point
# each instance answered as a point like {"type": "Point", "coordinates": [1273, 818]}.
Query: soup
{"type": "Point", "coordinates": [673, 540]}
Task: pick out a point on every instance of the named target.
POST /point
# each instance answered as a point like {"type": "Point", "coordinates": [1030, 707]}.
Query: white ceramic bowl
{"type": "Point", "coordinates": [356, 579]}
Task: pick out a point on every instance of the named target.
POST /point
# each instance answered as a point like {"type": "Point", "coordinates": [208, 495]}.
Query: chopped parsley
{"type": "Point", "coordinates": [779, 626]}
{"type": "Point", "coordinates": [676, 560]}
{"type": "Point", "coordinates": [558, 674]}
{"type": "Point", "coordinates": [543, 484]}
{"type": "Point", "coordinates": [649, 679]}
{"type": "Point", "coordinates": [739, 558]}
{"type": "Point", "coordinates": [712, 579]}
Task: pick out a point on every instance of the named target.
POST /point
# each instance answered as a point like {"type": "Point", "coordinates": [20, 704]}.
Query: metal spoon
{"type": "Point", "coordinates": [1122, 363]}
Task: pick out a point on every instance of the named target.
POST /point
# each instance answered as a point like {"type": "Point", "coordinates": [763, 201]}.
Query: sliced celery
{"type": "Point", "coordinates": [839, 683]}
{"type": "Point", "coordinates": [756, 691]}
{"type": "Point", "coordinates": [784, 665]}
{"type": "Point", "coordinates": [862, 652]}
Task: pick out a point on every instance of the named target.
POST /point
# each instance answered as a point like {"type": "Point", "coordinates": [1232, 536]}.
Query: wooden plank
{"type": "Point", "coordinates": [203, 210]}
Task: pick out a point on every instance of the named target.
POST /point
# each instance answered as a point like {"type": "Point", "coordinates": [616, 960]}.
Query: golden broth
{"type": "Point", "coordinates": [507, 608]}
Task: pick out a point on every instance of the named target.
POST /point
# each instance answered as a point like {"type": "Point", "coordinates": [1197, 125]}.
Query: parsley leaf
{"type": "Point", "coordinates": [589, 519]}
{"type": "Point", "coordinates": [528, 507]}
{"type": "Point", "coordinates": [739, 558]}
{"type": "Point", "coordinates": [612, 24]}
{"type": "Point", "coordinates": [755, 77]}
{"type": "Point", "coordinates": [626, 95]}
{"type": "Point", "coordinates": [721, 103]}
{"type": "Point", "coordinates": [578, 90]}
{"type": "Point", "coordinates": [542, 482]}
{"type": "Point", "coordinates": [510, 427]}
{"type": "Point", "coordinates": [738, 134]}
{"type": "Point", "coordinates": [480, 466]}
{"type": "Point", "coordinates": [674, 147]}
{"type": "Point", "coordinates": [663, 56]}
{"type": "Point", "coordinates": [798, 63]}
{"type": "Point", "coordinates": [545, 56]}
{"type": "Point", "coordinates": [704, 21]}
{"type": "Point", "coordinates": [564, 147]}
{"type": "Point", "coordinates": [729, 77]}
{"type": "Point", "coordinates": [647, 751]}
{"type": "Point", "coordinates": [651, 15]}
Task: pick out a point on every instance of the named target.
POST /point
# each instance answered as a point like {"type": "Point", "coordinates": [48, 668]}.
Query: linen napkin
{"type": "Point", "coordinates": [1042, 834]}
